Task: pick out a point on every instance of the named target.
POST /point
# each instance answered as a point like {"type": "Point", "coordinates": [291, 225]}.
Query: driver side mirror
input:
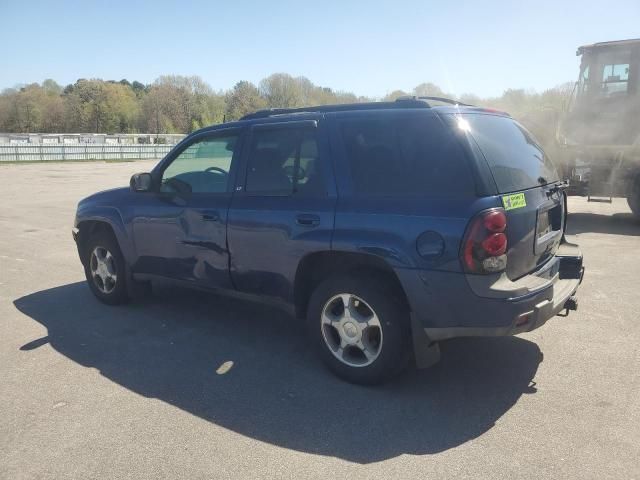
{"type": "Point", "coordinates": [141, 182]}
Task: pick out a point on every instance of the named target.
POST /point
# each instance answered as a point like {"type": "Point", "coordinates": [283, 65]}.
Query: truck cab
{"type": "Point", "coordinates": [600, 132]}
{"type": "Point", "coordinates": [606, 98]}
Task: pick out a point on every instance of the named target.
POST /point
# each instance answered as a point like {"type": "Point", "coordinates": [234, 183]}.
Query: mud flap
{"type": "Point", "coordinates": [426, 352]}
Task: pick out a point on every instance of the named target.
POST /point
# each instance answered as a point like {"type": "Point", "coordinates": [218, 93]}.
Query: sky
{"type": "Point", "coordinates": [367, 47]}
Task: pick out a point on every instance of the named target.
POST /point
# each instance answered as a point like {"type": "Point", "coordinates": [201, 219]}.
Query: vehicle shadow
{"type": "Point", "coordinates": [171, 345]}
{"type": "Point", "coordinates": [616, 224]}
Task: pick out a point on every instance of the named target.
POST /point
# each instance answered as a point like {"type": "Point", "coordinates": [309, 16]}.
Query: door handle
{"type": "Point", "coordinates": [211, 216]}
{"type": "Point", "coordinates": [308, 220]}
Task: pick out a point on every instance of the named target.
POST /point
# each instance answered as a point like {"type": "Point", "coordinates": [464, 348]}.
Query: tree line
{"type": "Point", "coordinates": [171, 104]}
{"type": "Point", "coordinates": [180, 104]}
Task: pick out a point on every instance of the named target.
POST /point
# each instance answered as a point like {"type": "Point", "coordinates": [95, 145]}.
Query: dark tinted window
{"type": "Point", "coordinates": [516, 159]}
{"type": "Point", "coordinates": [283, 161]}
{"type": "Point", "coordinates": [405, 156]}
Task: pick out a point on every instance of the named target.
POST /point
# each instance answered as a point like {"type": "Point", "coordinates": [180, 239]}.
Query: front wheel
{"type": "Point", "coordinates": [360, 330]}
{"type": "Point", "coordinates": [104, 269]}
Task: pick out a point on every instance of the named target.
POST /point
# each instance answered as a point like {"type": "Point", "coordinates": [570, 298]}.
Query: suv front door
{"type": "Point", "coordinates": [283, 207]}
{"type": "Point", "coordinates": [179, 228]}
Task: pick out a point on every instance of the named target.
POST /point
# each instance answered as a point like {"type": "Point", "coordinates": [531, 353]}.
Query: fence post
{"type": "Point", "coordinates": [41, 157]}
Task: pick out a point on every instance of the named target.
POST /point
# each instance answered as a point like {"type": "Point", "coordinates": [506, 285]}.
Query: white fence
{"type": "Point", "coordinates": [44, 152]}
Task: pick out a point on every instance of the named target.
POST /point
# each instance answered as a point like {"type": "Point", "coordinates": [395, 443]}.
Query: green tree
{"type": "Point", "coordinates": [242, 99]}
{"type": "Point", "coordinates": [281, 90]}
{"type": "Point", "coordinates": [179, 104]}
{"type": "Point", "coordinates": [429, 90]}
{"type": "Point", "coordinates": [395, 95]}
{"type": "Point", "coordinates": [10, 111]}
{"type": "Point", "coordinates": [51, 87]}
{"type": "Point", "coordinates": [137, 86]}
{"type": "Point", "coordinates": [185, 103]}
{"type": "Point", "coordinates": [101, 107]}
{"type": "Point", "coordinates": [157, 111]}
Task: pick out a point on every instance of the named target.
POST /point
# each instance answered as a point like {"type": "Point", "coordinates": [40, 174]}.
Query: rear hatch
{"type": "Point", "coordinates": [528, 184]}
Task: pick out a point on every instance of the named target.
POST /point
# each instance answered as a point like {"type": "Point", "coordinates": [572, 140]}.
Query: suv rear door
{"type": "Point", "coordinates": [283, 206]}
{"type": "Point", "coordinates": [402, 175]}
{"type": "Point", "coordinates": [526, 181]}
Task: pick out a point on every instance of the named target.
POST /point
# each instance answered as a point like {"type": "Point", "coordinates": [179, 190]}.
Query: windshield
{"type": "Point", "coordinates": [615, 78]}
{"type": "Point", "coordinates": [605, 73]}
{"type": "Point", "coordinates": [515, 158]}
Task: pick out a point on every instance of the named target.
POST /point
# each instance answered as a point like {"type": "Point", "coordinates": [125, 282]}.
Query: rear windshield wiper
{"type": "Point", "coordinates": [558, 187]}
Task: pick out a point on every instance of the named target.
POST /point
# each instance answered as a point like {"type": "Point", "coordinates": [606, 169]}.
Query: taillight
{"type": "Point", "coordinates": [495, 244]}
{"type": "Point", "coordinates": [485, 243]}
{"type": "Point", "coordinates": [495, 220]}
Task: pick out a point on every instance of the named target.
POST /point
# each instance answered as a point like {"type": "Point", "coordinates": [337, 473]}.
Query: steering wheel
{"type": "Point", "coordinates": [216, 169]}
{"type": "Point", "coordinates": [289, 169]}
{"type": "Point", "coordinates": [177, 185]}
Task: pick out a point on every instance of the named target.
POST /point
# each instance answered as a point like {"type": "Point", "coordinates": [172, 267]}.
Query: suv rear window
{"type": "Point", "coordinates": [410, 155]}
{"type": "Point", "coordinates": [516, 159]}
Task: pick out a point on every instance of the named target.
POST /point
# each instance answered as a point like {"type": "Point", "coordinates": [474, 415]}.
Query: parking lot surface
{"type": "Point", "coordinates": [193, 385]}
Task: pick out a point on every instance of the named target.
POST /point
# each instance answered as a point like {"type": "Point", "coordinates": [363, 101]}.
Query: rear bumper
{"type": "Point", "coordinates": [533, 315]}
{"type": "Point", "coordinates": [446, 306]}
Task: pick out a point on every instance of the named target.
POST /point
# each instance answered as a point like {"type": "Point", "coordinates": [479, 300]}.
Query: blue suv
{"type": "Point", "coordinates": [386, 226]}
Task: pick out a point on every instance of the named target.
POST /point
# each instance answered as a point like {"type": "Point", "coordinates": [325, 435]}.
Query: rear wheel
{"type": "Point", "coordinates": [359, 329]}
{"type": "Point", "coordinates": [104, 268]}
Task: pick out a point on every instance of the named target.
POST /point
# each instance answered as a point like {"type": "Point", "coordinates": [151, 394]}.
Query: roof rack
{"type": "Point", "coordinates": [450, 101]}
{"type": "Point", "coordinates": [402, 102]}
{"type": "Point", "coordinates": [406, 103]}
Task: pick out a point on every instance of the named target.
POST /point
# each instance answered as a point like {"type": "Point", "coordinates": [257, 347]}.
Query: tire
{"type": "Point", "coordinates": [339, 334]}
{"type": "Point", "coordinates": [104, 268]}
{"type": "Point", "coordinates": [634, 199]}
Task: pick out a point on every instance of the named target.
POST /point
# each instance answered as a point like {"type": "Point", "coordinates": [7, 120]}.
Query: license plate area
{"type": "Point", "coordinates": [548, 227]}
{"type": "Point", "coordinates": [544, 224]}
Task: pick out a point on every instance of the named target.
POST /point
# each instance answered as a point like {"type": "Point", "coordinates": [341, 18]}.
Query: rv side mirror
{"type": "Point", "coordinates": [141, 182]}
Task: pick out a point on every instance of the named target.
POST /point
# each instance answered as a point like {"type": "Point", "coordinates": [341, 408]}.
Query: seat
{"type": "Point", "coordinates": [266, 173]}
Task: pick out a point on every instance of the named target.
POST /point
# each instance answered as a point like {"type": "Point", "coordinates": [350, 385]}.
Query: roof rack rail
{"type": "Point", "coordinates": [343, 107]}
{"type": "Point", "coordinates": [450, 101]}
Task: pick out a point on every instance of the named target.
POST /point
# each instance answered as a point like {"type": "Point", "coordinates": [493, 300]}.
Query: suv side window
{"type": "Point", "coordinates": [284, 161]}
{"type": "Point", "coordinates": [405, 156]}
{"type": "Point", "coordinates": [203, 167]}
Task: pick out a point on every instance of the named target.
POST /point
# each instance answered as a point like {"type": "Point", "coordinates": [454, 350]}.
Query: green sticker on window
{"type": "Point", "coordinates": [516, 200]}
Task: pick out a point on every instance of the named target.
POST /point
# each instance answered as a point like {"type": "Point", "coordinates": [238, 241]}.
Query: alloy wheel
{"type": "Point", "coordinates": [103, 270]}
{"type": "Point", "coordinates": [351, 330]}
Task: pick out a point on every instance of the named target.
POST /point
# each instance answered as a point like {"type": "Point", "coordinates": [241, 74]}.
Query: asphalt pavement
{"type": "Point", "coordinates": [192, 385]}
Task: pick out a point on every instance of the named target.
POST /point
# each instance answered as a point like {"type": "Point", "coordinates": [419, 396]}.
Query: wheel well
{"type": "Point", "coordinates": [316, 267]}
{"type": "Point", "coordinates": [87, 229]}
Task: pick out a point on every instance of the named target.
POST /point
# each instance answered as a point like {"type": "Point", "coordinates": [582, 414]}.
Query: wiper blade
{"type": "Point", "coordinates": [558, 187]}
